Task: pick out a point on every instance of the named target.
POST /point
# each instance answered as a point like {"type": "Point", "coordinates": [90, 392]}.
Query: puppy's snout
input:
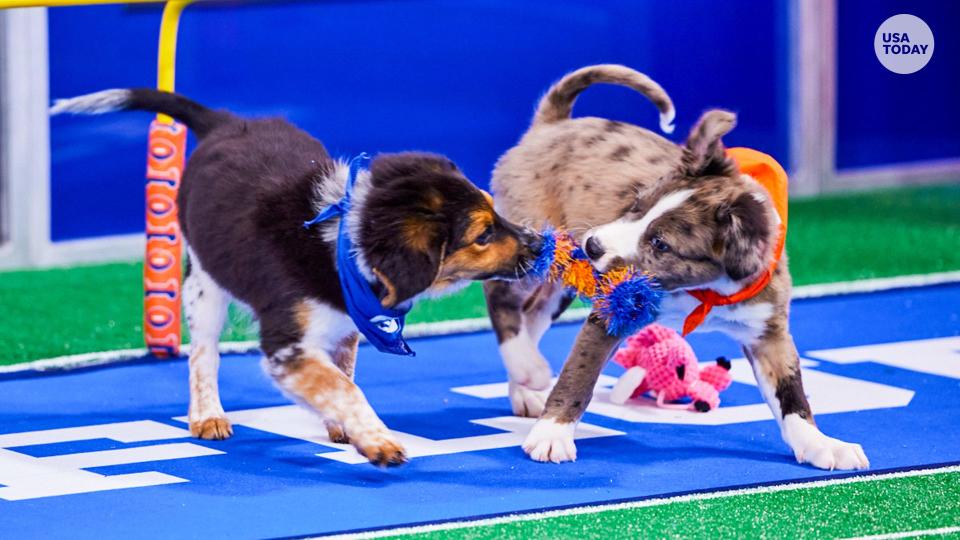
{"type": "Point", "coordinates": [532, 244]}
{"type": "Point", "coordinates": [594, 248]}
{"type": "Point", "coordinates": [532, 240]}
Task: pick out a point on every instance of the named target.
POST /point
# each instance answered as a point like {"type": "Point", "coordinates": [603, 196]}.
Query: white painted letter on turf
{"type": "Point", "coordinates": [828, 393]}
{"type": "Point", "coordinates": [27, 477]}
{"type": "Point", "coordinates": [296, 422]}
{"type": "Point", "coordinates": [939, 356]}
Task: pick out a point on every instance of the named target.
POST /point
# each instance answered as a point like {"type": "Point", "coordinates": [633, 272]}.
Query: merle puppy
{"type": "Point", "coordinates": [686, 213]}
{"type": "Point", "coordinates": [416, 225]}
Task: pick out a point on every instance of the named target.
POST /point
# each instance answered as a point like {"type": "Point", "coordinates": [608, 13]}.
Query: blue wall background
{"type": "Point", "coordinates": [883, 117]}
{"type": "Point", "coordinates": [460, 78]}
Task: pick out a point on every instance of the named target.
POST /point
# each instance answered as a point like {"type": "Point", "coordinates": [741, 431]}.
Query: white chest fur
{"type": "Point", "coordinates": [743, 322]}
{"type": "Point", "coordinates": [326, 327]}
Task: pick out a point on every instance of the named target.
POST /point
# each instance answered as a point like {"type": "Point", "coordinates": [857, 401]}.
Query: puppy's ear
{"type": "Point", "coordinates": [408, 258]}
{"type": "Point", "coordinates": [404, 227]}
{"type": "Point", "coordinates": [388, 168]}
{"type": "Point", "coordinates": [744, 236]}
{"type": "Point", "coordinates": [703, 153]}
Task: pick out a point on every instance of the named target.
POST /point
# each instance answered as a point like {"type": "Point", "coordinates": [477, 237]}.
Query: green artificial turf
{"type": "Point", "coordinates": [870, 507]}
{"type": "Point", "coordinates": [885, 233]}
{"type": "Point", "coordinates": [47, 313]}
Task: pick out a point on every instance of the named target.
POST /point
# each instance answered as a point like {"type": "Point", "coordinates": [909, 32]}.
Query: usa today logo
{"type": "Point", "coordinates": [904, 44]}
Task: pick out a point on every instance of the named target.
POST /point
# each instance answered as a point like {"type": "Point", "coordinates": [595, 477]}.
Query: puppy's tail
{"type": "Point", "coordinates": [198, 118]}
{"type": "Point", "coordinates": [557, 104]}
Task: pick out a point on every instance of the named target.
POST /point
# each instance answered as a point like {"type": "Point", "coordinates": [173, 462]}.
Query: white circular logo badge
{"type": "Point", "coordinates": [386, 324]}
{"type": "Point", "coordinates": [904, 44]}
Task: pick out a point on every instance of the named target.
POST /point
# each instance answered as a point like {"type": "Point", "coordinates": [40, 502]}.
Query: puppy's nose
{"type": "Point", "coordinates": [593, 248]}
{"type": "Point", "coordinates": [532, 240]}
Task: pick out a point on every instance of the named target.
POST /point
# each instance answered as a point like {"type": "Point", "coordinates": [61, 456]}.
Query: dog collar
{"type": "Point", "coordinates": [765, 170]}
{"type": "Point", "coordinates": [383, 327]}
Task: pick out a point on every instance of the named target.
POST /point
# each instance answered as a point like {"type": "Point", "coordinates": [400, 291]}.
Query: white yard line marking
{"type": "Point", "coordinates": [480, 324]}
{"type": "Point", "coordinates": [651, 502]}
{"type": "Point", "coordinates": [875, 285]}
{"type": "Point", "coordinates": [908, 534]}
{"type": "Point", "coordinates": [74, 361]}
{"type": "Point", "coordinates": [442, 328]}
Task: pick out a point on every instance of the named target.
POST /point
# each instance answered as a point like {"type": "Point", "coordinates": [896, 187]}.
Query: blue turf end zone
{"type": "Point", "coordinates": [266, 482]}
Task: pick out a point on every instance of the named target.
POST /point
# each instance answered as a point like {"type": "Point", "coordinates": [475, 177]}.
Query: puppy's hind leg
{"type": "Point", "coordinates": [776, 365]}
{"type": "Point", "coordinates": [345, 358]}
{"type": "Point", "coordinates": [205, 304]}
{"type": "Point", "coordinates": [520, 317]}
{"type": "Point", "coordinates": [553, 300]}
{"type": "Point", "coordinates": [312, 378]}
{"type": "Point", "coordinates": [310, 349]}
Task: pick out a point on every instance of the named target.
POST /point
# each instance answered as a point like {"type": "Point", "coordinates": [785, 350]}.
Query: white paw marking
{"type": "Point", "coordinates": [525, 401]}
{"type": "Point", "coordinates": [550, 440]}
{"type": "Point", "coordinates": [525, 365]}
{"type": "Point", "coordinates": [811, 446]}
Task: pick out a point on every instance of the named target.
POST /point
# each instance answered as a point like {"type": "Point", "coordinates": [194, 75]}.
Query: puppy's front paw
{"type": "Point", "coordinates": [811, 446]}
{"type": "Point", "coordinates": [382, 450]}
{"type": "Point", "coordinates": [834, 454]}
{"type": "Point", "coordinates": [525, 401]}
{"type": "Point", "coordinates": [550, 440]}
{"type": "Point", "coordinates": [216, 428]}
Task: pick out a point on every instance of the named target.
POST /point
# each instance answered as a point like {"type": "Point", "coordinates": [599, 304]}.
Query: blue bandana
{"type": "Point", "coordinates": [382, 327]}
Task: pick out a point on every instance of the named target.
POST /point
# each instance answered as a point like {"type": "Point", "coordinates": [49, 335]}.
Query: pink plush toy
{"type": "Point", "coordinates": [658, 360]}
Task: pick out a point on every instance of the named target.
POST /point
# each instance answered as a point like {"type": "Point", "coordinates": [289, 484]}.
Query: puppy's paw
{"type": "Point", "coordinates": [525, 365]}
{"type": "Point", "coordinates": [216, 428]}
{"type": "Point", "coordinates": [550, 440]}
{"type": "Point", "coordinates": [811, 446]}
{"type": "Point", "coordinates": [537, 375]}
{"type": "Point", "coordinates": [525, 401]}
{"type": "Point", "coordinates": [336, 433]}
{"type": "Point", "coordinates": [834, 454]}
{"type": "Point", "coordinates": [382, 450]}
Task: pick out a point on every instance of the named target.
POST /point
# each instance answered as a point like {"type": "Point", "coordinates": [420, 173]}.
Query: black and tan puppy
{"type": "Point", "coordinates": [416, 223]}
{"type": "Point", "coordinates": [685, 213]}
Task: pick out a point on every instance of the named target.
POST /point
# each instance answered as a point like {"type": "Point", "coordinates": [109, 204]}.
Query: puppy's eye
{"type": "Point", "coordinates": [485, 236]}
{"type": "Point", "coordinates": [659, 245]}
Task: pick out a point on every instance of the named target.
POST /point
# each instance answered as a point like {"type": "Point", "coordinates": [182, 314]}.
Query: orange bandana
{"type": "Point", "coordinates": [773, 178]}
